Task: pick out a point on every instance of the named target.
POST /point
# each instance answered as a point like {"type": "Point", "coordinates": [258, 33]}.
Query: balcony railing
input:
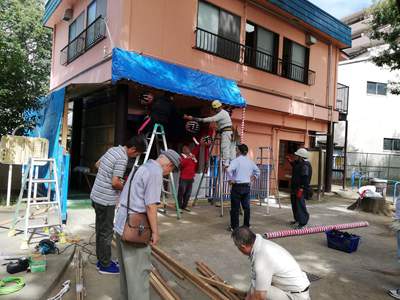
{"type": "Point", "coordinates": [234, 51]}
{"type": "Point", "coordinates": [342, 98]}
{"type": "Point", "coordinates": [295, 72]}
{"type": "Point", "coordinates": [89, 37]}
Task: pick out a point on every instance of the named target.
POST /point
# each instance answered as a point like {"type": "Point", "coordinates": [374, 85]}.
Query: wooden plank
{"type": "Point", "coordinates": [201, 284]}
{"type": "Point", "coordinates": [160, 289]}
{"type": "Point", "coordinates": [214, 276]}
{"type": "Point", "coordinates": [239, 294]}
{"type": "Point", "coordinates": [206, 274]}
{"type": "Point", "coordinates": [168, 266]}
{"type": "Point", "coordinates": [165, 284]}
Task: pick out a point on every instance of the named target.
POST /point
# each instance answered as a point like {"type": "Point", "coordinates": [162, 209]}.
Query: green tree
{"type": "Point", "coordinates": [385, 27]}
{"type": "Point", "coordinates": [25, 55]}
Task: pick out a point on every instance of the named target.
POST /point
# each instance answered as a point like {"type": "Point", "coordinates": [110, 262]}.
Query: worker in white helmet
{"type": "Point", "coordinates": [300, 187]}
{"type": "Point", "coordinates": [224, 128]}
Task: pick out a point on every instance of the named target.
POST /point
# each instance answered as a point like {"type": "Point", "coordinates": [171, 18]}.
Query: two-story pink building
{"type": "Point", "coordinates": [281, 55]}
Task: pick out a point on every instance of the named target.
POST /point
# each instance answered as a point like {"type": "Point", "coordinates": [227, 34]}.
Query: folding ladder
{"type": "Point", "coordinates": [38, 211]}
{"type": "Point", "coordinates": [157, 137]}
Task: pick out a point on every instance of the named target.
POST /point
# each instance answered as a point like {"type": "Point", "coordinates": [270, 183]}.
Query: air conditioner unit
{"type": "Point", "coordinates": [310, 40]}
{"type": "Point", "coordinates": [17, 150]}
{"type": "Point", "coordinates": [68, 14]}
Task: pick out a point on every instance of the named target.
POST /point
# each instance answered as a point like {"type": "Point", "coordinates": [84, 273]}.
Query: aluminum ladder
{"type": "Point", "coordinates": [157, 137]}
{"type": "Point", "coordinates": [38, 211]}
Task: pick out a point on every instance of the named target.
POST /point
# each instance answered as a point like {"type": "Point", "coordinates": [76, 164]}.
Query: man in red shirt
{"type": "Point", "coordinates": [188, 170]}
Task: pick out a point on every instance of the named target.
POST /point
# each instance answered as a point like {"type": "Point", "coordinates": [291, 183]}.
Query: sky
{"type": "Point", "coordinates": [341, 8]}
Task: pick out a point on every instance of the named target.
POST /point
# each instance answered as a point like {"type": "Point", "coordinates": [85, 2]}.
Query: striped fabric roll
{"type": "Point", "coordinates": [315, 229]}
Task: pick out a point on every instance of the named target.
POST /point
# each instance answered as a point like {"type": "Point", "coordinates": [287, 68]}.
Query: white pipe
{"type": "Point", "coordinates": [9, 185]}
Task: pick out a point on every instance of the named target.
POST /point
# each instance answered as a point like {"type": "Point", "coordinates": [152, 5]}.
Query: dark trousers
{"type": "Point", "coordinates": [184, 192]}
{"type": "Point", "coordinates": [240, 195]}
{"type": "Point", "coordinates": [104, 232]}
{"type": "Point", "coordinates": [299, 209]}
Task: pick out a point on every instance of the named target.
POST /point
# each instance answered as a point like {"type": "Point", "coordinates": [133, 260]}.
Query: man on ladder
{"type": "Point", "coordinates": [224, 128]}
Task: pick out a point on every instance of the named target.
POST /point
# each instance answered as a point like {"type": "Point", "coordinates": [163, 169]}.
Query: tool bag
{"type": "Point", "coordinates": [137, 229]}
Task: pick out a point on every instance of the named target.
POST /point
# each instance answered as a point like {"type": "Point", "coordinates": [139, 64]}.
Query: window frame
{"type": "Point", "coordinates": [275, 54]}
{"type": "Point", "coordinates": [393, 142]}
{"type": "Point", "coordinates": [287, 43]}
{"type": "Point", "coordinates": [376, 88]}
{"type": "Point", "coordinates": [220, 38]}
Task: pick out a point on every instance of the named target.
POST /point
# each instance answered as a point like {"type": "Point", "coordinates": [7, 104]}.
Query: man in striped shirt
{"type": "Point", "coordinates": [105, 194]}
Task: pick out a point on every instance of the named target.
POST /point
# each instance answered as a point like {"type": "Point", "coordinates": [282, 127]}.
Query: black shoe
{"type": "Point", "coordinates": [229, 228]}
{"type": "Point", "coordinates": [187, 209]}
{"type": "Point", "coordinates": [293, 222]}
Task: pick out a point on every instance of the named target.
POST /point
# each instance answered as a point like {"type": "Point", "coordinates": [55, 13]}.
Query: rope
{"type": "Point", "coordinates": [242, 125]}
{"type": "Point", "coordinates": [6, 290]}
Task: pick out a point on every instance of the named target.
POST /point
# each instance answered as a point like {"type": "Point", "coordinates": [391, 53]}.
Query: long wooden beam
{"type": "Point", "coordinates": [201, 284]}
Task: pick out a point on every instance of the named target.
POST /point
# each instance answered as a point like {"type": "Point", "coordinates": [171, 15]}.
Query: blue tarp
{"type": "Point", "coordinates": [49, 127]}
{"type": "Point", "coordinates": [174, 78]}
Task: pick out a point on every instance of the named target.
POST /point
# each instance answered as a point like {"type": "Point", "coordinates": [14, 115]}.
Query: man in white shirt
{"type": "Point", "coordinates": [275, 274]}
{"type": "Point", "coordinates": [241, 172]}
{"type": "Point", "coordinates": [224, 127]}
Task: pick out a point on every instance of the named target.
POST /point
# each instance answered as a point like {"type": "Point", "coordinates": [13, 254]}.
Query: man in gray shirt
{"type": "Point", "coordinates": [105, 194]}
{"type": "Point", "coordinates": [145, 193]}
{"type": "Point", "coordinates": [224, 128]}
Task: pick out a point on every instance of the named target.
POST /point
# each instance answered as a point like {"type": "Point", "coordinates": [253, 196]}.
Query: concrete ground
{"type": "Point", "coordinates": [201, 236]}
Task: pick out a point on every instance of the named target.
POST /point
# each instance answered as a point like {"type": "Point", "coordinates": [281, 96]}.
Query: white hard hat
{"type": "Point", "coordinates": [302, 153]}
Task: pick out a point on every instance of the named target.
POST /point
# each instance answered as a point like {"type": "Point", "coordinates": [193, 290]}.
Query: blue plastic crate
{"type": "Point", "coordinates": [342, 241]}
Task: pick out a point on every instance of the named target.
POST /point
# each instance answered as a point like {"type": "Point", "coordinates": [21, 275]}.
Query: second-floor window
{"type": "Point", "coordinates": [261, 49]}
{"type": "Point", "coordinates": [218, 31]}
{"type": "Point", "coordinates": [391, 144]}
{"type": "Point", "coordinates": [295, 61]}
{"type": "Point", "coordinates": [77, 43]}
{"type": "Point", "coordinates": [376, 88]}
{"type": "Point", "coordinates": [96, 9]}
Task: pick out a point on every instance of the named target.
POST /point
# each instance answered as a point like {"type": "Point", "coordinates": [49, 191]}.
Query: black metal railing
{"type": "Point", "coordinates": [218, 45]}
{"type": "Point", "coordinates": [90, 36]}
{"type": "Point", "coordinates": [228, 49]}
{"type": "Point", "coordinates": [295, 72]}
{"type": "Point", "coordinates": [342, 98]}
{"type": "Point", "coordinates": [260, 60]}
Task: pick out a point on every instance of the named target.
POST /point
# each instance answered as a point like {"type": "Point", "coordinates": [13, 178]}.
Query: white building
{"type": "Point", "coordinates": [373, 112]}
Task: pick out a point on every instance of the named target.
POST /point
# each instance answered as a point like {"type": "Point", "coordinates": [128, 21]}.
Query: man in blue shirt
{"type": "Point", "coordinates": [241, 172]}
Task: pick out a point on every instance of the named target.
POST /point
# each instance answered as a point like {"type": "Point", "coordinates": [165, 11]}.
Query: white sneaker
{"type": "Point", "coordinates": [395, 293]}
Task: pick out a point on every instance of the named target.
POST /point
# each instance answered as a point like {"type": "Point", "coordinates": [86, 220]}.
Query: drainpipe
{"type": "Point", "coordinates": [331, 126]}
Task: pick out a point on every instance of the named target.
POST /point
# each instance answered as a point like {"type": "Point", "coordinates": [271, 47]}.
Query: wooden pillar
{"type": "Point", "coordinates": [64, 127]}
{"type": "Point", "coordinates": [76, 138]}
{"type": "Point", "coordinates": [329, 157]}
{"type": "Point", "coordinates": [345, 153]}
{"type": "Point", "coordinates": [121, 114]}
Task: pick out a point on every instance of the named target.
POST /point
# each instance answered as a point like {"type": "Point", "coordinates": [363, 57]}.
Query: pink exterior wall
{"type": "Point", "coordinates": [279, 108]}
{"type": "Point", "coordinates": [170, 30]}
{"type": "Point", "coordinates": [77, 71]}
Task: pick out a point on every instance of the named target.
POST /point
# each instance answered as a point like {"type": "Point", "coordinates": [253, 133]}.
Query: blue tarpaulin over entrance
{"type": "Point", "coordinates": [49, 127]}
{"type": "Point", "coordinates": [174, 78]}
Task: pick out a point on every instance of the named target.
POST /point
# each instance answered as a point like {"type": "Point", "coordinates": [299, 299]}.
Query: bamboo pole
{"type": "Point", "coordinates": [164, 282]}
{"type": "Point", "coordinates": [160, 288]}
{"type": "Point", "coordinates": [202, 285]}
{"type": "Point", "coordinates": [168, 265]}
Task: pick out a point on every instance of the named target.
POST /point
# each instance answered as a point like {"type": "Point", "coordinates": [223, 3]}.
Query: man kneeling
{"type": "Point", "coordinates": [275, 274]}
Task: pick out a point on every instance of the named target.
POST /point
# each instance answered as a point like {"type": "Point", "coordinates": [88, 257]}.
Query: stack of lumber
{"type": "Point", "coordinates": [208, 283]}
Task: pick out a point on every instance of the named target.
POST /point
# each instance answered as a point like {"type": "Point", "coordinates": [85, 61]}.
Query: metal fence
{"type": "Point", "coordinates": [259, 189]}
